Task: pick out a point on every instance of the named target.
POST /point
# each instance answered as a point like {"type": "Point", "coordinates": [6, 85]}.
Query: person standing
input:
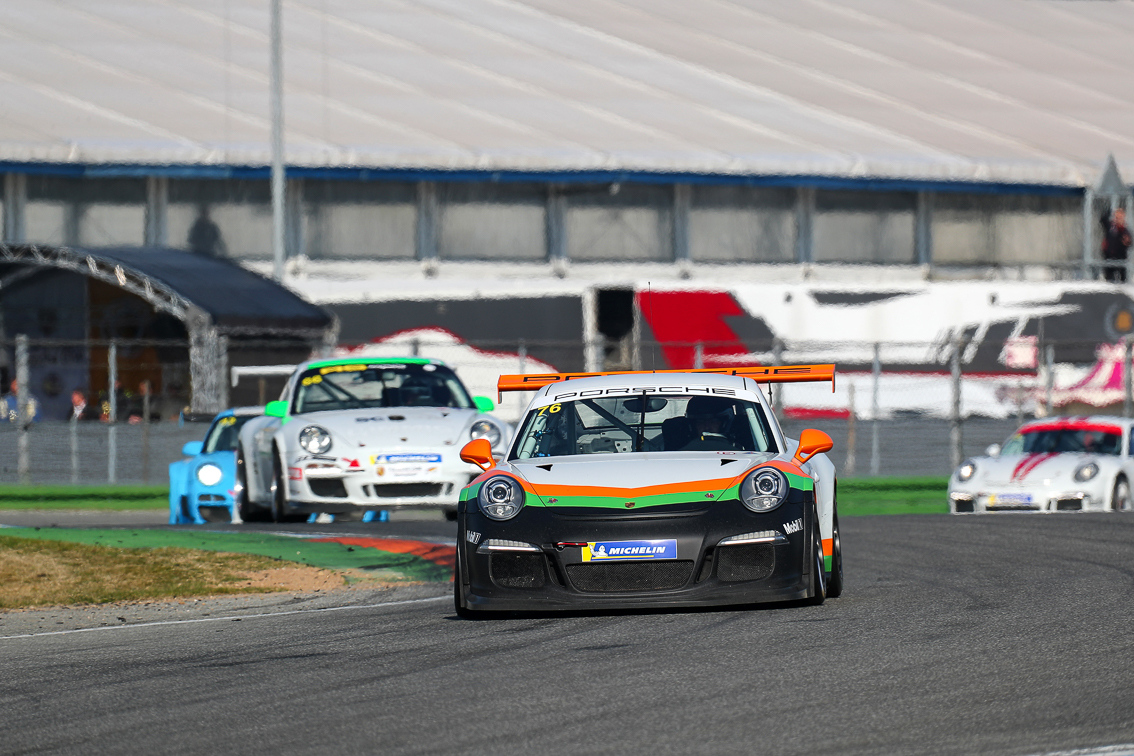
{"type": "Point", "coordinates": [1116, 246]}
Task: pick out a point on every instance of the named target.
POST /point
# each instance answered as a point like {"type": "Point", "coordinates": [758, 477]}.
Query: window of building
{"type": "Point", "coordinates": [85, 212]}
{"type": "Point", "coordinates": [490, 221]}
{"type": "Point", "coordinates": [1006, 229]}
{"type": "Point", "coordinates": [221, 218]}
{"type": "Point", "coordinates": [619, 222]}
{"type": "Point", "coordinates": [864, 227]}
{"type": "Point", "coordinates": [741, 224]}
{"type": "Point", "coordinates": [370, 220]}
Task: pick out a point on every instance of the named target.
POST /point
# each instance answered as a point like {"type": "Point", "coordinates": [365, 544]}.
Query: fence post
{"type": "Point", "coordinates": [956, 438]}
{"type": "Point", "coordinates": [224, 384]}
{"type": "Point", "coordinates": [74, 447]}
{"type": "Point", "coordinates": [698, 356]}
{"type": "Point", "coordinates": [777, 389]}
{"type": "Point", "coordinates": [112, 418]}
{"type": "Point", "coordinates": [23, 383]}
{"type": "Point", "coordinates": [848, 465]}
{"type": "Point", "coordinates": [876, 379]}
{"type": "Point", "coordinates": [146, 431]}
{"type": "Point", "coordinates": [1127, 385]}
{"type": "Point", "coordinates": [1049, 379]}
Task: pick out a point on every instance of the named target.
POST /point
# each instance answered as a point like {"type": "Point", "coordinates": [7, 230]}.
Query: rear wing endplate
{"type": "Point", "coordinates": [770, 374]}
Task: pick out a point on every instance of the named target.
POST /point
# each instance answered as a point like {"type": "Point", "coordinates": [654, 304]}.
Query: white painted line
{"type": "Point", "coordinates": [1126, 749]}
{"type": "Point", "coordinates": [229, 618]}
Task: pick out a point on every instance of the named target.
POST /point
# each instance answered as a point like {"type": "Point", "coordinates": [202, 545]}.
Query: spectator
{"type": "Point", "coordinates": [1115, 246]}
{"type": "Point", "coordinates": [205, 235]}
{"type": "Point", "coordinates": [11, 407]}
{"type": "Point", "coordinates": [80, 409]}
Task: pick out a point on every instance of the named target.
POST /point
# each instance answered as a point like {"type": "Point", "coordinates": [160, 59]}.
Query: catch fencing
{"type": "Point", "coordinates": [896, 409]}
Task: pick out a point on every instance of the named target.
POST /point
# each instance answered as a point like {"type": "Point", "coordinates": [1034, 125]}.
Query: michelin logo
{"type": "Point", "coordinates": [599, 551]}
{"type": "Point", "coordinates": [794, 526]}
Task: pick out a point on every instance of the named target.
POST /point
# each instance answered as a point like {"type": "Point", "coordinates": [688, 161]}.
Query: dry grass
{"type": "Point", "coordinates": [46, 573]}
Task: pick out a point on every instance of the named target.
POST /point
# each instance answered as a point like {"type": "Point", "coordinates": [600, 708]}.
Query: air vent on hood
{"type": "Point", "coordinates": [726, 461]}
{"type": "Point", "coordinates": [544, 467]}
{"type": "Point", "coordinates": [397, 417]}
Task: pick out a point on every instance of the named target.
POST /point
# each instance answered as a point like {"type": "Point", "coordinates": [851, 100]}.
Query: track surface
{"type": "Point", "coordinates": [1001, 634]}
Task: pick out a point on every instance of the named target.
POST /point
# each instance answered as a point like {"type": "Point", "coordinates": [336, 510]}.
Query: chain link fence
{"type": "Point", "coordinates": [896, 409]}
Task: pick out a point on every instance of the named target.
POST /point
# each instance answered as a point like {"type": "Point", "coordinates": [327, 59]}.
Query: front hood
{"type": "Point", "coordinates": [1029, 469]}
{"type": "Point", "coordinates": [393, 428]}
{"type": "Point", "coordinates": [643, 479]}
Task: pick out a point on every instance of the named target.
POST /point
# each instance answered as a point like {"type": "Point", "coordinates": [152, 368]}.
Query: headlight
{"type": "Point", "coordinates": [314, 439]}
{"type": "Point", "coordinates": [500, 498]}
{"type": "Point", "coordinates": [487, 430]}
{"type": "Point", "coordinates": [966, 470]}
{"type": "Point", "coordinates": [764, 490]}
{"type": "Point", "coordinates": [1086, 472]}
{"type": "Point", "coordinates": [209, 475]}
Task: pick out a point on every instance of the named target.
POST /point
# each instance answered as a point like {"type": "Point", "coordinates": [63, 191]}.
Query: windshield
{"type": "Point", "coordinates": [362, 385]}
{"type": "Point", "coordinates": [224, 432]}
{"type": "Point", "coordinates": [1085, 440]}
{"type": "Point", "coordinates": [616, 425]}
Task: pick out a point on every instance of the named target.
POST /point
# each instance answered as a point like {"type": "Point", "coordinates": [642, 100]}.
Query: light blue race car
{"type": "Point", "coordinates": [204, 486]}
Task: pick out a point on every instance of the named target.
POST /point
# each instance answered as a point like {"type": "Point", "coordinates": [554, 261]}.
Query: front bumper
{"type": "Point", "coordinates": [963, 502]}
{"type": "Point", "coordinates": [338, 491]}
{"type": "Point", "coordinates": [541, 573]}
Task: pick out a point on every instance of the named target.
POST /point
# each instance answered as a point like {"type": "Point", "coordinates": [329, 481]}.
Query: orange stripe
{"type": "Point", "coordinates": [688, 486]}
{"type": "Point", "coordinates": [772, 374]}
{"type": "Point", "coordinates": [440, 554]}
{"type": "Point", "coordinates": [828, 547]}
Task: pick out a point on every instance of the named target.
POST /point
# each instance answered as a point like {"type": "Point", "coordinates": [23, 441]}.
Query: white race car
{"type": "Point", "coordinates": [661, 489]}
{"type": "Point", "coordinates": [1050, 465]}
{"type": "Point", "coordinates": [357, 434]}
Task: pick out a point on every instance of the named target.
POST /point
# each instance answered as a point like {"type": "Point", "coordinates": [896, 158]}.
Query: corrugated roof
{"type": "Point", "coordinates": [999, 90]}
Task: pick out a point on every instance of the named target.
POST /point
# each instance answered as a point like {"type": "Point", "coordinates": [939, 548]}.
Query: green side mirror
{"type": "Point", "coordinates": [276, 409]}
{"type": "Point", "coordinates": [483, 403]}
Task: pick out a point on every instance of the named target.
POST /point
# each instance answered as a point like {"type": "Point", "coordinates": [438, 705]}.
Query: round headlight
{"type": "Point", "coordinates": [500, 498]}
{"type": "Point", "coordinates": [486, 430]}
{"type": "Point", "coordinates": [209, 475]}
{"type": "Point", "coordinates": [764, 490]}
{"type": "Point", "coordinates": [1086, 472]}
{"type": "Point", "coordinates": [966, 470]}
{"type": "Point", "coordinates": [315, 440]}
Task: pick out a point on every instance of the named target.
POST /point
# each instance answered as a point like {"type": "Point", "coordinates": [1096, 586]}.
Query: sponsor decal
{"type": "Point", "coordinates": [649, 390]}
{"type": "Point", "coordinates": [295, 473]}
{"type": "Point", "coordinates": [393, 459]}
{"type": "Point", "coordinates": [608, 551]}
{"type": "Point", "coordinates": [1010, 498]}
{"type": "Point", "coordinates": [375, 419]}
{"type": "Point", "coordinates": [794, 526]}
{"type": "Point", "coordinates": [1030, 463]}
{"type": "Point", "coordinates": [472, 536]}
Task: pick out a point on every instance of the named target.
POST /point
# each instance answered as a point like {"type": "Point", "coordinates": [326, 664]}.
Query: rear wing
{"type": "Point", "coordinates": [770, 374]}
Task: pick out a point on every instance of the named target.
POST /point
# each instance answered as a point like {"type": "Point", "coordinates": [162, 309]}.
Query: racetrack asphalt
{"type": "Point", "coordinates": [1004, 634]}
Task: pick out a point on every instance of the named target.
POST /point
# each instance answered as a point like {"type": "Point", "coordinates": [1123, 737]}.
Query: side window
{"type": "Point", "coordinates": [1130, 441]}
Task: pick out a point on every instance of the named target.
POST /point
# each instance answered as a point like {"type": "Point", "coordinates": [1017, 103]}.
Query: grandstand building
{"type": "Point", "coordinates": [532, 170]}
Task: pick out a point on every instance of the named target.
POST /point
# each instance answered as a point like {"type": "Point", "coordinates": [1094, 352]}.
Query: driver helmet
{"type": "Point", "coordinates": [710, 408]}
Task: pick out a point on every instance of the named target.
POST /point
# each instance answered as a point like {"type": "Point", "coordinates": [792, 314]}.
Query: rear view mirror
{"type": "Point", "coordinates": [812, 442]}
{"type": "Point", "coordinates": [276, 409]}
{"type": "Point", "coordinates": [478, 452]}
{"type": "Point", "coordinates": [993, 450]}
{"type": "Point", "coordinates": [483, 403]}
{"type": "Point", "coordinates": [193, 448]}
{"type": "Point", "coordinates": [653, 404]}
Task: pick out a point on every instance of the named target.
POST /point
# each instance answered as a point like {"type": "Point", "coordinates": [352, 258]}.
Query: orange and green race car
{"type": "Point", "coordinates": [649, 489]}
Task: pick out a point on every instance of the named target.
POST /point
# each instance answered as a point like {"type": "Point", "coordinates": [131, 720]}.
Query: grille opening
{"type": "Point", "coordinates": [210, 497]}
{"type": "Point", "coordinates": [706, 567]}
{"type": "Point", "coordinates": [964, 506]}
{"type": "Point", "coordinates": [327, 487]}
{"type": "Point", "coordinates": [753, 561]}
{"type": "Point", "coordinates": [517, 570]}
{"type": "Point", "coordinates": [621, 577]}
{"type": "Point", "coordinates": [1069, 505]}
{"type": "Point", "coordinates": [397, 490]}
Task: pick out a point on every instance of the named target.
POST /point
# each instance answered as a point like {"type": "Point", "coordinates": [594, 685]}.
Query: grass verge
{"type": "Point", "coordinates": [37, 572]}
{"type": "Point", "coordinates": [84, 497]}
{"type": "Point", "coordinates": [873, 496]}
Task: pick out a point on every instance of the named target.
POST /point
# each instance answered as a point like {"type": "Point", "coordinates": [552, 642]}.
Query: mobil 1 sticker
{"type": "Point", "coordinates": [610, 551]}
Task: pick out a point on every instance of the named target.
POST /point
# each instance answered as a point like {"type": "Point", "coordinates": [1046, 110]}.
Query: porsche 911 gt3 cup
{"type": "Point", "coordinates": [1050, 465]}
{"type": "Point", "coordinates": [661, 489]}
{"type": "Point", "coordinates": [357, 434]}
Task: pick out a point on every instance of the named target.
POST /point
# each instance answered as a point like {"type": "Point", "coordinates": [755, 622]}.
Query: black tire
{"type": "Point", "coordinates": [835, 577]}
{"type": "Point", "coordinates": [451, 515]}
{"type": "Point", "coordinates": [279, 490]}
{"type": "Point", "coordinates": [248, 513]}
{"type": "Point", "coordinates": [818, 589]}
{"type": "Point", "coordinates": [1120, 496]}
{"type": "Point", "coordinates": [458, 599]}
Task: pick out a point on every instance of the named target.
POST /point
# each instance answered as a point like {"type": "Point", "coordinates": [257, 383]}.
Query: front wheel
{"type": "Point", "coordinates": [818, 572]}
{"type": "Point", "coordinates": [1120, 498]}
{"type": "Point", "coordinates": [279, 491]}
{"type": "Point", "coordinates": [458, 600]}
{"type": "Point", "coordinates": [835, 580]}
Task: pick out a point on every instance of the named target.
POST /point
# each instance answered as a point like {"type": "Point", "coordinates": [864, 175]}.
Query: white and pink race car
{"type": "Point", "coordinates": [1050, 465]}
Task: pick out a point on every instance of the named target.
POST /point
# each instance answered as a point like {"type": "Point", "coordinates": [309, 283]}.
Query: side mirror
{"type": "Point", "coordinates": [993, 450]}
{"type": "Point", "coordinates": [811, 442]}
{"type": "Point", "coordinates": [483, 403]}
{"type": "Point", "coordinates": [478, 452]}
{"type": "Point", "coordinates": [193, 448]}
{"type": "Point", "coordinates": [276, 409]}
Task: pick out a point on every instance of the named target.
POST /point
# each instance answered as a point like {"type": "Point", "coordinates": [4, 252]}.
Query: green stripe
{"type": "Point", "coordinates": [827, 562]}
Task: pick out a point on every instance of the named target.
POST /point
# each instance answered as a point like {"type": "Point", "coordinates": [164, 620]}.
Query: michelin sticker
{"type": "Point", "coordinates": [607, 551]}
